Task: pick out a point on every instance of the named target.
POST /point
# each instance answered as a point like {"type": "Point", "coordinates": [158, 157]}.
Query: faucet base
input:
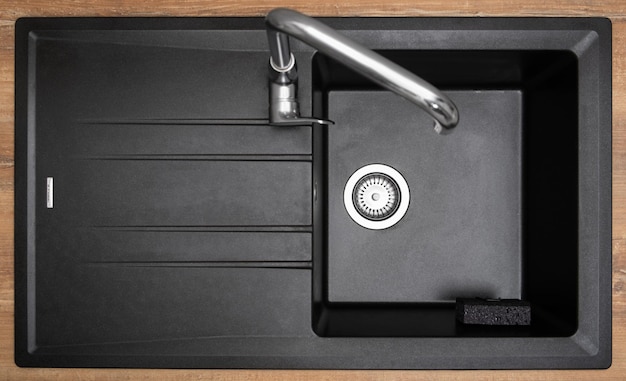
{"type": "Point", "coordinates": [284, 106]}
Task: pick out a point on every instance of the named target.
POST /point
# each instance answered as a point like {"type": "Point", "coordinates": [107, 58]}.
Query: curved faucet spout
{"type": "Point", "coordinates": [283, 22]}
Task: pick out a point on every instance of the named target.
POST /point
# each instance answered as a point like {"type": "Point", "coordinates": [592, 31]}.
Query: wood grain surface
{"type": "Point", "coordinates": [10, 10]}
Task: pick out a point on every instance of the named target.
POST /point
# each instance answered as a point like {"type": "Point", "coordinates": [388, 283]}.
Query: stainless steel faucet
{"type": "Point", "coordinates": [284, 110]}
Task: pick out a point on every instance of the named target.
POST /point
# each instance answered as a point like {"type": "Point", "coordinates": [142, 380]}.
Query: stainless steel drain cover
{"type": "Point", "coordinates": [376, 196]}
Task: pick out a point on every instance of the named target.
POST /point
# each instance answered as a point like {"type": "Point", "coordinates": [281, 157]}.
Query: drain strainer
{"type": "Point", "coordinates": [376, 196]}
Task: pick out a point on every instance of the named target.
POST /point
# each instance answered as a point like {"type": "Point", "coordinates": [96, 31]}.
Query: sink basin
{"type": "Point", "coordinates": [161, 221]}
{"type": "Point", "coordinates": [493, 207]}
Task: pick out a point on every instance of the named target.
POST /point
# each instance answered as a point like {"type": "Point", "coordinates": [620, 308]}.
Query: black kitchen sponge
{"type": "Point", "coordinates": [493, 311]}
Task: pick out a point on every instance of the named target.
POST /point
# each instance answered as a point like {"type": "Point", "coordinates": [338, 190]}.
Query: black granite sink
{"type": "Point", "coordinates": [162, 222]}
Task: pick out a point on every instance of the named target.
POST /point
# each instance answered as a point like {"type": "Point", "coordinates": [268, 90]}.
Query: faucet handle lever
{"type": "Point", "coordinates": [284, 107]}
{"type": "Point", "coordinates": [299, 121]}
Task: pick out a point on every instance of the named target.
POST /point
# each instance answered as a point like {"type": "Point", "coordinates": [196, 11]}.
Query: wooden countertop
{"type": "Point", "coordinates": [10, 10]}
